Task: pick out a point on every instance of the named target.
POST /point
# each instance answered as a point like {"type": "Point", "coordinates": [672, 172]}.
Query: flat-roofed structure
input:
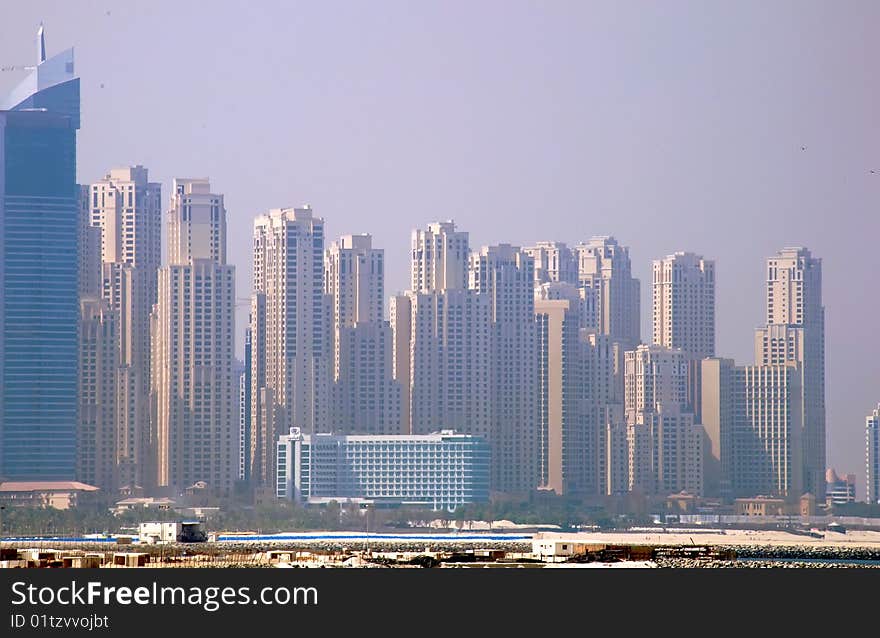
{"type": "Point", "coordinates": [441, 470]}
{"type": "Point", "coordinates": [60, 495]}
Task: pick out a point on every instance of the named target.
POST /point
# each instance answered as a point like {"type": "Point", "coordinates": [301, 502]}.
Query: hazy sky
{"type": "Point", "coordinates": [671, 125]}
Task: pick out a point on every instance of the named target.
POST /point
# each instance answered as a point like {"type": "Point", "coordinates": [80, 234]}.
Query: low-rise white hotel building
{"type": "Point", "coordinates": [441, 470]}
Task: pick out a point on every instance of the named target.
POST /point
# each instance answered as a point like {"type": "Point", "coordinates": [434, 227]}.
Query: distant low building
{"type": "Point", "coordinates": [437, 471]}
{"type": "Point", "coordinates": [171, 532]}
{"type": "Point", "coordinates": [551, 548]}
{"type": "Point", "coordinates": [839, 490]}
{"type": "Point", "coordinates": [156, 532]}
{"type": "Point", "coordinates": [143, 503]}
{"type": "Point", "coordinates": [60, 495]}
{"type": "Point", "coordinates": [808, 505]}
{"type": "Point", "coordinates": [760, 506]}
{"type": "Point", "coordinates": [684, 502]}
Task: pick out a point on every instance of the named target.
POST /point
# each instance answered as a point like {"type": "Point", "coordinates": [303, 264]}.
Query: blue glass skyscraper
{"type": "Point", "coordinates": [39, 309]}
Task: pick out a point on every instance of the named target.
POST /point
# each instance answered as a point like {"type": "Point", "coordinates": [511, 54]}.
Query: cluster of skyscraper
{"type": "Point", "coordinates": [536, 350]}
{"type": "Point", "coordinates": [158, 396]}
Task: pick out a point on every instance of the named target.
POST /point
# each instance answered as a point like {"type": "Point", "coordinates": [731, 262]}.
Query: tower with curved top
{"type": "Point", "coordinates": [39, 309]}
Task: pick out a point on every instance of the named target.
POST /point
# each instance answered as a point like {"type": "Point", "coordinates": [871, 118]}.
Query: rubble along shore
{"type": "Point", "coordinates": [725, 556]}
{"type": "Point", "coordinates": [690, 563]}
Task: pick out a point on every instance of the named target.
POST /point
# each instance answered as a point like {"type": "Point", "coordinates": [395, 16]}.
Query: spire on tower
{"type": "Point", "coordinates": [41, 45]}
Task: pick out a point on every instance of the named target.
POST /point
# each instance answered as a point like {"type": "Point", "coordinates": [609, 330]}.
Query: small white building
{"type": "Point", "coordinates": [550, 548]}
{"type": "Point", "coordinates": [158, 532]}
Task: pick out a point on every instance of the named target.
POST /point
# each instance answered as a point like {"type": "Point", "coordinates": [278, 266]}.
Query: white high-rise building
{"type": "Point", "coordinates": [554, 261]}
{"type": "Point", "coordinates": [98, 364]}
{"type": "Point", "coordinates": [290, 361]}
{"type": "Point", "coordinates": [597, 399]}
{"type": "Point", "coordinates": [439, 258]}
{"type": "Point", "coordinates": [753, 420]}
{"type": "Point", "coordinates": [721, 413]}
{"type": "Point", "coordinates": [449, 355]}
{"type": "Point", "coordinates": [354, 276]}
{"type": "Point", "coordinates": [684, 311]}
{"type": "Point", "coordinates": [608, 378]}
{"type": "Point", "coordinates": [613, 454]}
{"type": "Point", "coordinates": [505, 274]}
{"type": "Point", "coordinates": [652, 375]}
{"type": "Point", "coordinates": [126, 207]}
{"type": "Point", "coordinates": [196, 224]}
{"type": "Point", "coordinates": [401, 359]}
{"type": "Point", "coordinates": [665, 443]}
{"type": "Point", "coordinates": [795, 334]}
{"type": "Point", "coordinates": [364, 395]}
{"type": "Point", "coordinates": [441, 339]}
{"type": "Point", "coordinates": [872, 469]}
{"type": "Point", "coordinates": [769, 448]}
{"type": "Point", "coordinates": [607, 381]}
{"type": "Point", "coordinates": [604, 267]}
{"type": "Point", "coordinates": [566, 433]}
{"type": "Point", "coordinates": [684, 304]}
{"type": "Point", "coordinates": [195, 387]}
{"type": "Point", "coordinates": [666, 451]}
{"type": "Point", "coordinates": [585, 298]}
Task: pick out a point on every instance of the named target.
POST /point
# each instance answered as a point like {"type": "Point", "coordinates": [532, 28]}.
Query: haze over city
{"type": "Point", "coordinates": [729, 131]}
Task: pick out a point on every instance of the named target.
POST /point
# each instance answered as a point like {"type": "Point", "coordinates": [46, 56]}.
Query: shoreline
{"type": "Point", "coordinates": [673, 548]}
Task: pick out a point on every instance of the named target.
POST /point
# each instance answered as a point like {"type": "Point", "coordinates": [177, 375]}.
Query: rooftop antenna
{"type": "Point", "coordinates": [41, 45]}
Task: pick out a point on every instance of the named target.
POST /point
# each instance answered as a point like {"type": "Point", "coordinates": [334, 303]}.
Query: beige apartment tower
{"type": "Point", "coordinates": [604, 268]}
{"type": "Point", "coordinates": [664, 440]}
{"type": "Point", "coordinates": [770, 448]}
{"type": "Point", "coordinates": [365, 397]}
{"type": "Point", "coordinates": [652, 375]}
{"type": "Point", "coordinates": [98, 364]}
{"type": "Point", "coordinates": [684, 304]}
{"type": "Point", "coordinates": [607, 381]}
{"type": "Point", "coordinates": [290, 358]}
{"type": "Point", "coordinates": [581, 396]}
{"type": "Point", "coordinates": [441, 339]}
{"type": "Point", "coordinates": [505, 275]}
{"type": "Point", "coordinates": [554, 262]}
{"type": "Point", "coordinates": [684, 312]}
{"type": "Point", "coordinates": [126, 209]}
{"type": "Point", "coordinates": [722, 412]}
{"type": "Point", "coordinates": [666, 451]}
{"type": "Point", "coordinates": [795, 334]}
{"type": "Point", "coordinates": [354, 278]}
{"type": "Point", "coordinates": [566, 434]}
{"type": "Point", "coordinates": [754, 425]}
{"type": "Point", "coordinates": [439, 258]}
{"type": "Point", "coordinates": [98, 346]}
{"type": "Point", "coordinates": [195, 388]}
{"type": "Point", "coordinates": [400, 310]}
{"type": "Point", "coordinates": [449, 351]}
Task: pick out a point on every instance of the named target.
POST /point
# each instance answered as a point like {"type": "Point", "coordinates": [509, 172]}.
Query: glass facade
{"type": "Point", "coordinates": [39, 267]}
